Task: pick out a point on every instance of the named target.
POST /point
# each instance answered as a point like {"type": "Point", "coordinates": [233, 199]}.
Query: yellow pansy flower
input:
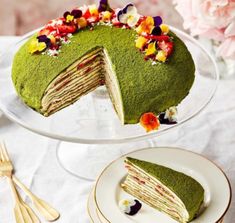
{"type": "Point", "coordinates": [69, 18]}
{"type": "Point", "coordinates": [161, 56]}
{"type": "Point", "coordinates": [165, 28]}
{"type": "Point", "coordinates": [151, 49]}
{"type": "Point", "coordinates": [36, 46]}
{"type": "Point", "coordinates": [140, 42]}
{"type": "Point", "coordinates": [93, 10]}
{"type": "Point", "coordinates": [106, 15]}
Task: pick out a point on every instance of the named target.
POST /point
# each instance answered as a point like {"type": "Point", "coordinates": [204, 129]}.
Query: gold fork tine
{"type": "Point", "coordinates": [1, 154]}
{"type": "Point", "coordinates": [23, 213]}
{"type": "Point", "coordinates": [5, 153]}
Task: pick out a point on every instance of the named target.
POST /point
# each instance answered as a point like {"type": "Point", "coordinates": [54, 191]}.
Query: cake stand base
{"type": "Point", "coordinates": [87, 161]}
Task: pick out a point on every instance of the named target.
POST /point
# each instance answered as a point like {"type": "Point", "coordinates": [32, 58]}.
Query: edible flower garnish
{"type": "Point", "coordinates": [149, 121]}
{"type": "Point", "coordinates": [151, 49]}
{"type": "Point", "coordinates": [130, 206]}
{"type": "Point", "coordinates": [170, 116]}
{"type": "Point", "coordinates": [146, 26]}
{"type": "Point", "coordinates": [161, 56]}
{"type": "Point", "coordinates": [156, 31]}
{"type": "Point", "coordinates": [36, 46]}
{"type": "Point", "coordinates": [157, 21]}
{"type": "Point", "coordinates": [106, 16]}
{"type": "Point", "coordinates": [152, 35]}
{"type": "Point", "coordinates": [45, 39]}
{"type": "Point", "coordinates": [165, 28]}
{"type": "Point", "coordinates": [128, 15]}
{"type": "Point", "coordinates": [81, 22]}
{"type": "Point", "coordinates": [92, 15]}
{"type": "Point", "coordinates": [104, 6]}
{"type": "Point", "coordinates": [74, 14]}
{"type": "Point", "coordinates": [141, 42]}
{"type": "Point", "coordinates": [167, 47]}
{"type": "Point", "coordinates": [93, 10]}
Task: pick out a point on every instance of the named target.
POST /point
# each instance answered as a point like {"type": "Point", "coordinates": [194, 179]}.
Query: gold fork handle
{"type": "Point", "coordinates": [13, 190]}
{"type": "Point", "coordinates": [21, 213]}
{"type": "Point", "coordinates": [48, 212]}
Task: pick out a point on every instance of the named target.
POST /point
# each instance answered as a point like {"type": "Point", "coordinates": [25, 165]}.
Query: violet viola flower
{"type": "Point", "coordinates": [128, 15]}
{"type": "Point", "coordinates": [104, 6]}
{"type": "Point", "coordinates": [45, 39]}
{"type": "Point", "coordinates": [157, 20]}
{"type": "Point", "coordinates": [70, 16]}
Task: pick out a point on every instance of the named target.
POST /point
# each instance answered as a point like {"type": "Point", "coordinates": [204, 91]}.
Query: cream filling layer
{"type": "Point", "coordinates": [154, 198]}
{"type": "Point", "coordinates": [113, 87]}
{"type": "Point", "coordinates": [85, 75]}
{"type": "Point", "coordinates": [158, 191]}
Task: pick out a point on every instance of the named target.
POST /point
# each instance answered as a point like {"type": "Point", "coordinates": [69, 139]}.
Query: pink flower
{"type": "Point", "coordinates": [214, 19]}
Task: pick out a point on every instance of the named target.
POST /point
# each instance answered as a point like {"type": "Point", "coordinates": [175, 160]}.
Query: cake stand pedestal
{"type": "Point", "coordinates": [92, 122]}
{"type": "Point", "coordinates": [87, 161]}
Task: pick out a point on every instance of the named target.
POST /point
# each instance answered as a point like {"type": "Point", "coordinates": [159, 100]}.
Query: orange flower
{"type": "Point", "coordinates": [81, 22]}
{"type": "Point", "coordinates": [149, 121]}
{"type": "Point", "coordinates": [146, 26]}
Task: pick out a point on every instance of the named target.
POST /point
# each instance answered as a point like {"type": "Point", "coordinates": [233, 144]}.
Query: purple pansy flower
{"type": "Point", "coordinates": [45, 39]}
{"type": "Point", "coordinates": [104, 6]}
{"type": "Point", "coordinates": [156, 31]}
{"type": "Point", "coordinates": [157, 20]}
{"type": "Point", "coordinates": [130, 206]}
{"type": "Point", "coordinates": [76, 13]}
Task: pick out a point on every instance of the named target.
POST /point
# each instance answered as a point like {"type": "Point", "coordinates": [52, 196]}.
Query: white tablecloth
{"type": "Point", "coordinates": [212, 133]}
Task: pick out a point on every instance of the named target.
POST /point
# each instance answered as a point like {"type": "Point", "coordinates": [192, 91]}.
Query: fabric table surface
{"type": "Point", "coordinates": [212, 133]}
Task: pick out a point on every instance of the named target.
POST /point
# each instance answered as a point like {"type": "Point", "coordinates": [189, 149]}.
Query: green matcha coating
{"type": "Point", "coordinates": [144, 87]}
{"type": "Point", "coordinates": [185, 187]}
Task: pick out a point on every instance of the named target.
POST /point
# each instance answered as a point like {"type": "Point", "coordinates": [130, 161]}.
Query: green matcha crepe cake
{"type": "Point", "coordinates": [169, 191]}
{"type": "Point", "coordinates": [145, 67]}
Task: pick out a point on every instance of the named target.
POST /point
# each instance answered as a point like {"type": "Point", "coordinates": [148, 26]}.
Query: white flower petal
{"type": "Point", "coordinates": [131, 10]}
{"type": "Point", "coordinates": [123, 18]}
{"type": "Point", "coordinates": [124, 206]}
{"type": "Point", "coordinates": [132, 20]}
{"type": "Point", "coordinates": [171, 114]}
{"type": "Point", "coordinates": [132, 202]}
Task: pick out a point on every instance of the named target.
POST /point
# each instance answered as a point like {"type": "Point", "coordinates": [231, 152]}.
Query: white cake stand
{"type": "Point", "coordinates": [90, 130]}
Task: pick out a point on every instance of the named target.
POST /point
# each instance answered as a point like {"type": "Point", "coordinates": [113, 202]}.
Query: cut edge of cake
{"type": "Point", "coordinates": [91, 71]}
{"type": "Point", "coordinates": [154, 191]}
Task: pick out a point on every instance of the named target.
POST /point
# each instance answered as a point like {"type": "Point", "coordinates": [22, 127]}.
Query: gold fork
{"type": "Point", "coordinates": [23, 213]}
{"type": "Point", "coordinates": [49, 213]}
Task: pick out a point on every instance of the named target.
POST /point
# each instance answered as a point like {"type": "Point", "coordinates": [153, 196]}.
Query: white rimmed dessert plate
{"type": "Point", "coordinates": [217, 188]}
{"type": "Point", "coordinates": [91, 209]}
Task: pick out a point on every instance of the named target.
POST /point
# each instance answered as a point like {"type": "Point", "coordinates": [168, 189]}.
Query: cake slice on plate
{"type": "Point", "coordinates": [169, 191]}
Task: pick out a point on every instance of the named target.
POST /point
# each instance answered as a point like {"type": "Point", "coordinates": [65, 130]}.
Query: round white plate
{"type": "Point", "coordinates": [91, 209]}
{"type": "Point", "coordinates": [215, 183]}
